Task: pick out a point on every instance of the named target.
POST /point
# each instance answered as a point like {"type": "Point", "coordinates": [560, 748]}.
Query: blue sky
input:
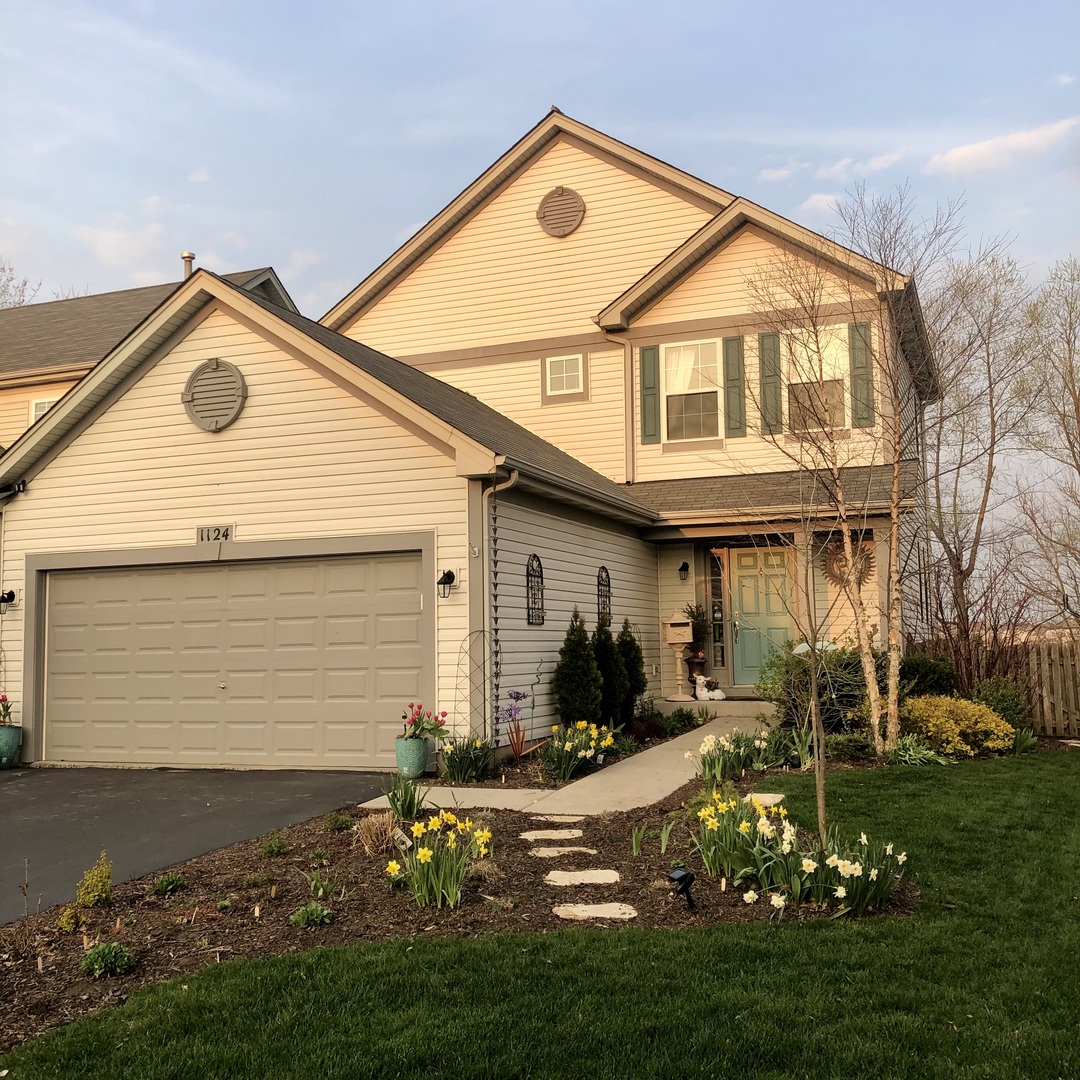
{"type": "Point", "coordinates": [318, 137]}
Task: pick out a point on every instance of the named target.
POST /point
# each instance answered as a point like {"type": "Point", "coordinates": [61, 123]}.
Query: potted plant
{"type": "Point", "coordinates": [412, 747]}
{"type": "Point", "coordinates": [10, 734]}
{"type": "Point", "coordinates": [700, 627]}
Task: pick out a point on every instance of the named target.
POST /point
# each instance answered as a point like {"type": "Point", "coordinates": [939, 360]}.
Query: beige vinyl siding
{"type": "Point", "coordinates": [501, 278]}
{"type": "Point", "coordinates": [16, 405]}
{"type": "Point", "coordinates": [572, 549]}
{"type": "Point", "coordinates": [305, 459]}
{"type": "Point", "coordinates": [591, 430]}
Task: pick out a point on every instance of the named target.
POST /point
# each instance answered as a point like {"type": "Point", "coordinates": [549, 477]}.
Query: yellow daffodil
{"type": "Point", "coordinates": [744, 826]}
{"type": "Point", "coordinates": [424, 855]}
{"type": "Point", "coordinates": [581, 725]}
{"type": "Point", "coordinates": [554, 727]}
{"type": "Point", "coordinates": [451, 842]}
{"type": "Point", "coordinates": [393, 868]}
{"type": "Point", "coordinates": [451, 818]}
{"type": "Point", "coordinates": [483, 851]}
{"type": "Point", "coordinates": [783, 812]}
{"type": "Point", "coordinates": [419, 829]}
{"type": "Point", "coordinates": [712, 825]}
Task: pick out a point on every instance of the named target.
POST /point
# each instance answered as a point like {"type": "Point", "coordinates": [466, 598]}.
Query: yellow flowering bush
{"type": "Point", "coordinates": [467, 759]}
{"type": "Point", "coordinates": [748, 842]}
{"type": "Point", "coordinates": [957, 727]}
{"type": "Point", "coordinates": [443, 848]}
{"type": "Point", "coordinates": [575, 748]}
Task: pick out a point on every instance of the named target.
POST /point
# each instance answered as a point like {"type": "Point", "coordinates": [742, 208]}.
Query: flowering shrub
{"type": "Point", "coordinates": [748, 842]}
{"type": "Point", "coordinates": [442, 850]}
{"type": "Point", "coordinates": [957, 727]}
{"type": "Point", "coordinates": [467, 759]}
{"type": "Point", "coordinates": [421, 723]}
{"type": "Point", "coordinates": [573, 749]}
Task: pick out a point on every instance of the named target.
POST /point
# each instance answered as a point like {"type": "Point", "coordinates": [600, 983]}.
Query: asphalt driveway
{"type": "Point", "coordinates": [146, 819]}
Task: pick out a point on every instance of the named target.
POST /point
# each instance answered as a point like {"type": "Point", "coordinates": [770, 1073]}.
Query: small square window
{"type": "Point", "coordinates": [563, 375]}
{"type": "Point", "coordinates": [816, 406]}
{"type": "Point", "coordinates": [40, 407]}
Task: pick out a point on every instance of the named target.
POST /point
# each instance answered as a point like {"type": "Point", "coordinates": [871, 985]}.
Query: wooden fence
{"type": "Point", "coordinates": [1054, 687]}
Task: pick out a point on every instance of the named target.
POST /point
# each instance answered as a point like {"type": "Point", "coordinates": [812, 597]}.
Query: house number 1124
{"type": "Point", "coordinates": [213, 534]}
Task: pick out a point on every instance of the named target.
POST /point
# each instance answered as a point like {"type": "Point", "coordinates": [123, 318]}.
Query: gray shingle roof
{"type": "Point", "coordinates": [864, 487]}
{"type": "Point", "coordinates": [465, 413]}
{"type": "Point", "coordinates": [79, 331]}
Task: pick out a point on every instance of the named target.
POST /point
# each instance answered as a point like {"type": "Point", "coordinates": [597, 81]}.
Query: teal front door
{"type": "Point", "coordinates": [760, 619]}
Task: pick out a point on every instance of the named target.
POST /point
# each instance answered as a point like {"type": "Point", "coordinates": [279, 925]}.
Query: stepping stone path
{"type": "Point", "coordinates": [555, 852]}
{"type": "Point", "coordinates": [764, 798]}
{"type": "Point", "coordinates": [566, 878]}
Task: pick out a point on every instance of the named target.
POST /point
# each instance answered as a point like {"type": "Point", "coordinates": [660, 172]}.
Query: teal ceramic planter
{"type": "Point", "coordinates": [412, 756]}
{"type": "Point", "coordinates": [10, 740]}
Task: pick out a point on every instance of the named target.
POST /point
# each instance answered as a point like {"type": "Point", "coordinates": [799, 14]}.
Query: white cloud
{"type": "Point", "coordinates": [297, 263]}
{"type": "Point", "coordinates": [136, 250]}
{"type": "Point", "coordinates": [782, 172]}
{"type": "Point", "coordinates": [1002, 151]}
{"type": "Point", "coordinates": [820, 203]}
{"type": "Point", "coordinates": [1063, 80]}
{"type": "Point", "coordinates": [200, 176]}
{"type": "Point", "coordinates": [847, 168]}
{"type": "Point", "coordinates": [408, 232]}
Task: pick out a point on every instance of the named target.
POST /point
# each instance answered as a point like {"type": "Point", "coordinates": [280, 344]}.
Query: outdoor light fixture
{"type": "Point", "coordinates": [446, 583]}
{"type": "Point", "coordinates": [682, 880]}
{"type": "Point", "coordinates": [684, 571]}
{"type": "Point", "coordinates": [6, 600]}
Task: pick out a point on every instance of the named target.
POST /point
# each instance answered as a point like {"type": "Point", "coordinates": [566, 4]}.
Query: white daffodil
{"type": "Point", "coordinates": [777, 901]}
{"type": "Point", "coordinates": [808, 866]}
{"type": "Point", "coordinates": [841, 892]}
{"type": "Point", "coordinates": [888, 849]}
{"type": "Point", "coordinates": [902, 858]}
{"type": "Point", "coordinates": [863, 840]}
{"type": "Point", "coordinates": [749, 897]}
{"type": "Point", "coordinates": [873, 874]}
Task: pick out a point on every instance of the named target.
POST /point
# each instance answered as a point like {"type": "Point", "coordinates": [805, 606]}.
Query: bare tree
{"type": "Point", "coordinates": [14, 290]}
{"type": "Point", "coordinates": [847, 326]}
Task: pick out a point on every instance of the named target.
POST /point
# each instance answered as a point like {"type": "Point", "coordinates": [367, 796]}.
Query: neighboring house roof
{"type": "Point", "coordinates": [552, 127]}
{"type": "Point", "coordinates": [764, 496]}
{"type": "Point", "coordinates": [76, 333]}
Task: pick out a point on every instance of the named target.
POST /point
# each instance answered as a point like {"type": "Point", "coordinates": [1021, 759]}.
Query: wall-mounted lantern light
{"type": "Point", "coordinates": [446, 583]}
{"type": "Point", "coordinates": [684, 571]}
{"type": "Point", "coordinates": [6, 600]}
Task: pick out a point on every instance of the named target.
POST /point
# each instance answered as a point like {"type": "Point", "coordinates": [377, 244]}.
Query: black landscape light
{"type": "Point", "coordinates": [682, 880]}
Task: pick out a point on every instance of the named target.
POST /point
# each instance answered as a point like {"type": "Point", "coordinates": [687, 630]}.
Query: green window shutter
{"type": "Point", "coordinates": [772, 399]}
{"type": "Point", "coordinates": [734, 388]}
{"type": "Point", "coordinates": [650, 393]}
{"type": "Point", "coordinates": [862, 375]}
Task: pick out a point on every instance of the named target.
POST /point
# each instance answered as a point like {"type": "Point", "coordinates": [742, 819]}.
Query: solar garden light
{"type": "Point", "coordinates": [681, 881]}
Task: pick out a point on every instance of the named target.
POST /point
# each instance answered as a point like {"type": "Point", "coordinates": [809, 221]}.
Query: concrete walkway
{"type": "Point", "coordinates": [640, 780]}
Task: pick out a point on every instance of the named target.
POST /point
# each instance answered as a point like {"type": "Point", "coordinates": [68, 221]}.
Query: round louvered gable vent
{"type": "Point", "coordinates": [214, 395]}
{"type": "Point", "coordinates": [561, 211]}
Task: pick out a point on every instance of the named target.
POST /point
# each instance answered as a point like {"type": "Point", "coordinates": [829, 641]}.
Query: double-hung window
{"type": "Point", "coordinates": [692, 391]}
{"type": "Point", "coordinates": [818, 361]}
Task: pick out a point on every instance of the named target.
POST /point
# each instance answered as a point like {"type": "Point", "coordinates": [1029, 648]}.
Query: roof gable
{"type": "Point", "coordinates": [554, 126]}
{"type": "Point", "coordinates": [481, 437]}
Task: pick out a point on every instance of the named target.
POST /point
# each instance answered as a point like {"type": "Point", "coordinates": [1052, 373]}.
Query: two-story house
{"type": "Point", "coordinates": [247, 538]}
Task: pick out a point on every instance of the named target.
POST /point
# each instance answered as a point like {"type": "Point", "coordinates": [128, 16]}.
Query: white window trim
{"type": "Point", "coordinates": [700, 440]}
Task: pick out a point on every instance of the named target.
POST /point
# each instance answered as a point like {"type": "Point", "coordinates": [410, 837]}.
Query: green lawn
{"type": "Point", "coordinates": [983, 982]}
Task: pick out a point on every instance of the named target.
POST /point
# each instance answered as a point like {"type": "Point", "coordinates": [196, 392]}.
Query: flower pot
{"type": "Point", "coordinates": [412, 756]}
{"type": "Point", "coordinates": [10, 740]}
{"type": "Point", "coordinates": [695, 665]}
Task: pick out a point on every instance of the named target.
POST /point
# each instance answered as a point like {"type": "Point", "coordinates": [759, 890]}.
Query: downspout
{"type": "Point", "coordinates": [629, 449]}
{"type": "Point", "coordinates": [489, 512]}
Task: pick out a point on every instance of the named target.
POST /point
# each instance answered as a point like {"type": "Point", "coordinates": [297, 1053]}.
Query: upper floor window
{"type": "Point", "coordinates": [534, 591]}
{"type": "Point", "coordinates": [692, 391]}
{"type": "Point", "coordinates": [564, 379]}
{"type": "Point", "coordinates": [816, 406]}
{"type": "Point", "coordinates": [40, 407]}
{"type": "Point", "coordinates": [603, 593]}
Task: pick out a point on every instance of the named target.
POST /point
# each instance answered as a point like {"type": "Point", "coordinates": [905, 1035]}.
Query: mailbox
{"type": "Point", "coordinates": [677, 630]}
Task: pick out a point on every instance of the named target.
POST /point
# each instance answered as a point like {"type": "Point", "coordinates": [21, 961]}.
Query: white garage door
{"type": "Point", "coordinates": [297, 662]}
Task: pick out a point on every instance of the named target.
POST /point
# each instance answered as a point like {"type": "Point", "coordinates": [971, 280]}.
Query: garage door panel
{"type": "Point", "coordinates": [318, 659]}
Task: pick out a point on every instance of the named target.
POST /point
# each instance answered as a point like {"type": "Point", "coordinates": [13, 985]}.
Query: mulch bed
{"type": "Point", "coordinates": [213, 919]}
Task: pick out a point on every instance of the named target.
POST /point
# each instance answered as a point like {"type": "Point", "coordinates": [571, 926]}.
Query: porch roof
{"type": "Point", "coordinates": [768, 496]}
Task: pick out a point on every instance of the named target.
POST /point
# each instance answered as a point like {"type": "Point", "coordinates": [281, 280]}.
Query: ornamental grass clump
{"type": "Point", "coordinates": [435, 866]}
{"type": "Point", "coordinates": [755, 845]}
{"type": "Point", "coordinates": [467, 759]}
{"type": "Point", "coordinates": [572, 750]}
{"type": "Point", "coordinates": [956, 727]}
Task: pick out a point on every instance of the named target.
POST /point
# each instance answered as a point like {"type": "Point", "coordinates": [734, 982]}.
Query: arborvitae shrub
{"type": "Point", "coordinates": [630, 650]}
{"type": "Point", "coordinates": [614, 684]}
{"type": "Point", "coordinates": [921, 674]}
{"type": "Point", "coordinates": [575, 683]}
